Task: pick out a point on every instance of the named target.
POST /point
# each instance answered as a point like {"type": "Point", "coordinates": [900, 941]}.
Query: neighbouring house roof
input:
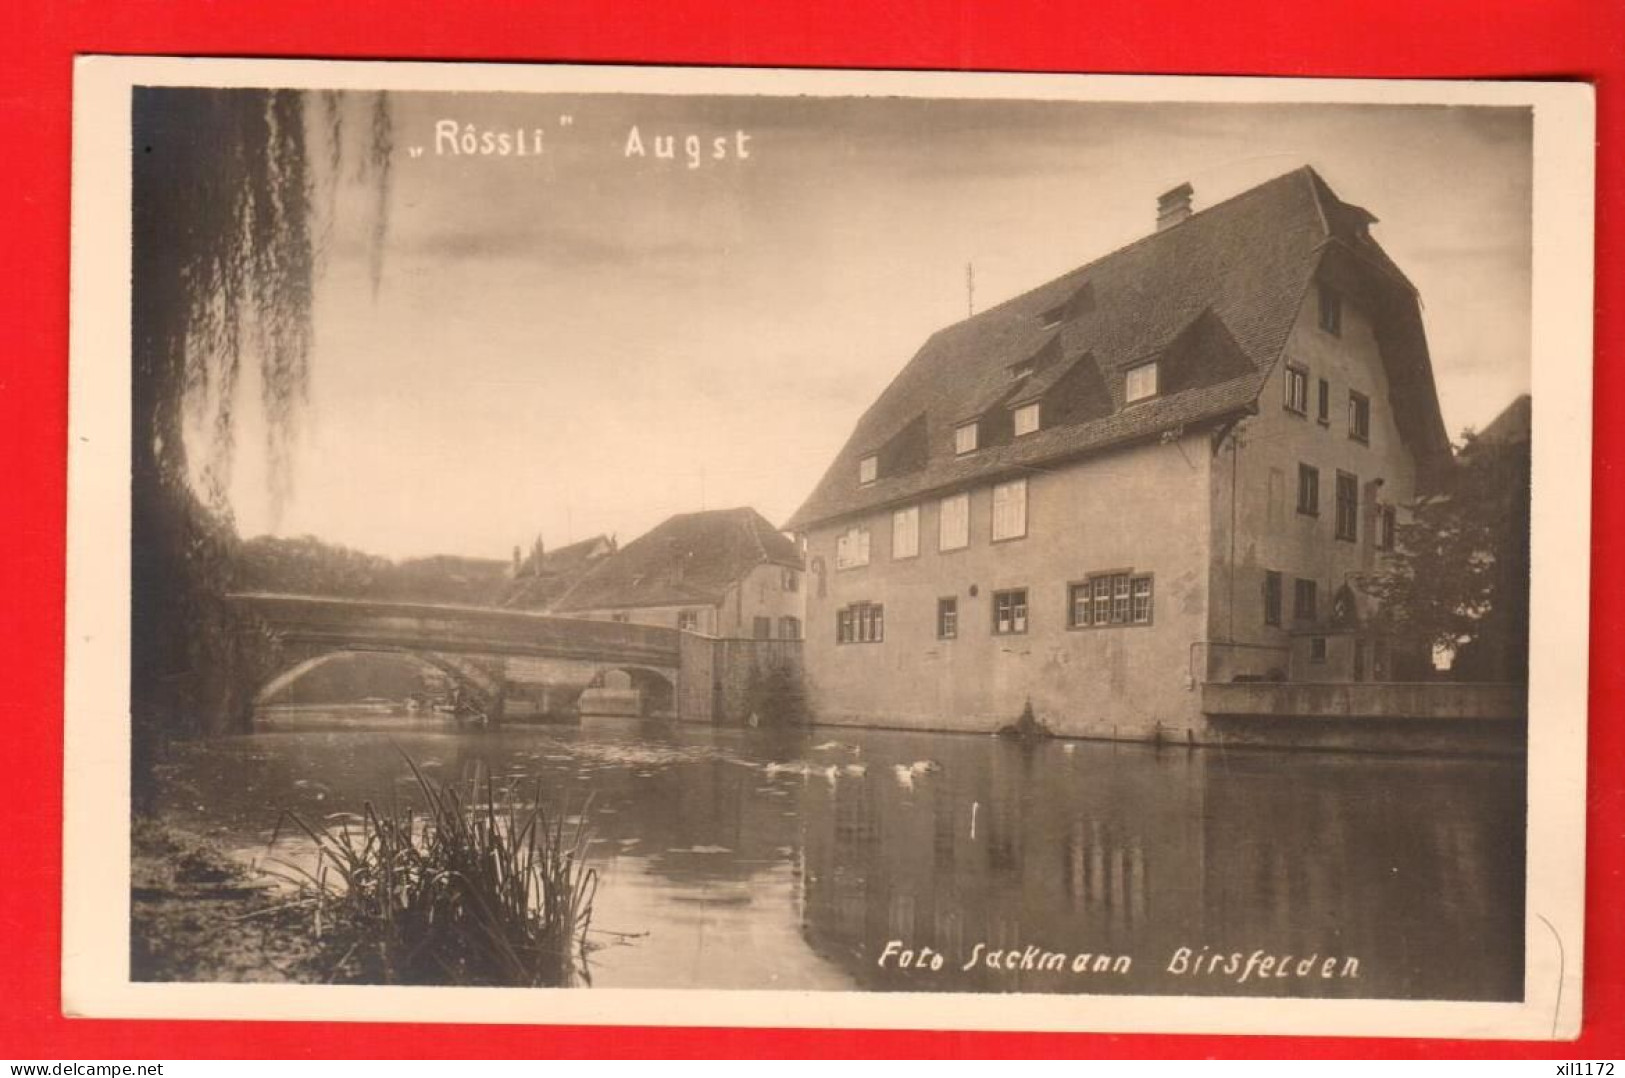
{"type": "Point", "coordinates": [690, 558]}
{"type": "Point", "coordinates": [539, 587]}
{"type": "Point", "coordinates": [1512, 426]}
{"type": "Point", "coordinates": [1213, 299]}
{"type": "Point", "coordinates": [574, 555]}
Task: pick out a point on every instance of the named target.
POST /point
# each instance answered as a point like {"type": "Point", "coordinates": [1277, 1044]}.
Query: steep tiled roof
{"type": "Point", "coordinates": [538, 586]}
{"type": "Point", "coordinates": [690, 558]}
{"type": "Point", "coordinates": [1512, 426]}
{"type": "Point", "coordinates": [1214, 298]}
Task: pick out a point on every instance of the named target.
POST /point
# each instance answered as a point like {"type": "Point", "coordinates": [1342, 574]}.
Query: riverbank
{"type": "Point", "coordinates": [196, 914]}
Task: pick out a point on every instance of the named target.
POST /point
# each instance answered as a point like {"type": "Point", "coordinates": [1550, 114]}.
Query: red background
{"type": "Point", "coordinates": [1582, 39]}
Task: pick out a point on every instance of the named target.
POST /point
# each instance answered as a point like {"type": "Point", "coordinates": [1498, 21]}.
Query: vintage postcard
{"type": "Point", "coordinates": [743, 547]}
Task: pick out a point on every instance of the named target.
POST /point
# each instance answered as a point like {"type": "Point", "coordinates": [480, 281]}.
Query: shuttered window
{"type": "Point", "coordinates": [1010, 510]}
{"type": "Point", "coordinates": [953, 522]}
{"type": "Point", "coordinates": [852, 548]}
{"type": "Point", "coordinates": [905, 532]}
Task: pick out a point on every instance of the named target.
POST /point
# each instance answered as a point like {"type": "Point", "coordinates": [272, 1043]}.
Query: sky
{"type": "Point", "coordinates": [591, 339]}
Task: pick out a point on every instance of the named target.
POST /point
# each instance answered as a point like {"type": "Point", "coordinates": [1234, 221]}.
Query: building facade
{"type": "Point", "coordinates": [1164, 469]}
{"type": "Point", "coordinates": [725, 573]}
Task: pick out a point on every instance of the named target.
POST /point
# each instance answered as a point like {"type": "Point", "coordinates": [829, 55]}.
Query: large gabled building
{"type": "Point", "coordinates": [1162, 469]}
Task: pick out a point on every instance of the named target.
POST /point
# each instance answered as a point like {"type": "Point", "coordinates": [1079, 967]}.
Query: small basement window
{"type": "Point", "coordinates": [1140, 383]}
{"type": "Point", "coordinates": [868, 470]}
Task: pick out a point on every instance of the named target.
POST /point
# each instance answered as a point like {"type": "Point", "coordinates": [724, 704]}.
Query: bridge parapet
{"type": "Point", "coordinates": [469, 629]}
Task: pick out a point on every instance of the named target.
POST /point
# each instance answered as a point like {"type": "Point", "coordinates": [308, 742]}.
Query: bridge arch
{"type": "Point", "coordinates": [657, 690]}
{"type": "Point", "coordinates": [479, 687]}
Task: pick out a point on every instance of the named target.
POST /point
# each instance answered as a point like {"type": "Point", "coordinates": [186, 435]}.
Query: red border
{"type": "Point", "coordinates": [1440, 38]}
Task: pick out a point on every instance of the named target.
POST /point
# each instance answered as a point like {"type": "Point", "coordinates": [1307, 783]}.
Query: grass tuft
{"type": "Point", "coordinates": [467, 890]}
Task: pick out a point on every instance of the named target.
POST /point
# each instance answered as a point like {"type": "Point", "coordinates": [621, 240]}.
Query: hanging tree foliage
{"type": "Point", "coordinates": [227, 202]}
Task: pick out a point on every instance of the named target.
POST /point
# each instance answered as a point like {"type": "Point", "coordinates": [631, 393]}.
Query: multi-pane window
{"type": "Point", "coordinates": [1331, 311]}
{"type": "Point", "coordinates": [688, 620]}
{"type": "Point", "coordinates": [1317, 649]}
{"type": "Point", "coordinates": [1140, 383]}
{"type": "Point", "coordinates": [1387, 525]}
{"type": "Point", "coordinates": [762, 628]}
{"type": "Point", "coordinates": [1308, 490]}
{"type": "Point", "coordinates": [905, 532]}
{"type": "Point", "coordinates": [1010, 510]}
{"type": "Point", "coordinates": [1140, 612]}
{"type": "Point", "coordinates": [860, 623]}
{"type": "Point", "coordinates": [947, 619]}
{"type": "Point", "coordinates": [1026, 419]}
{"type": "Point", "coordinates": [1297, 390]}
{"type": "Point", "coordinates": [868, 469]}
{"type": "Point", "coordinates": [965, 438]}
{"type": "Point", "coordinates": [789, 628]}
{"type": "Point", "coordinates": [1359, 417]}
{"type": "Point", "coordinates": [1348, 507]}
{"type": "Point", "coordinates": [1110, 599]}
{"type": "Point", "coordinates": [852, 548]}
{"type": "Point", "coordinates": [1120, 592]}
{"type": "Point", "coordinates": [1101, 587]}
{"type": "Point", "coordinates": [1079, 600]}
{"type": "Point", "coordinates": [1303, 600]}
{"type": "Point", "coordinates": [953, 522]}
{"type": "Point", "coordinates": [1323, 402]}
{"type": "Point", "coordinates": [1010, 611]}
{"type": "Point", "coordinates": [1272, 597]}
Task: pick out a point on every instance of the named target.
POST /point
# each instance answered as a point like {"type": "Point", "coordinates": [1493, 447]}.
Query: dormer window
{"type": "Point", "coordinates": [965, 439]}
{"type": "Point", "coordinates": [1021, 370]}
{"type": "Point", "coordinates": [1053, 317]}
{"type": "Point", "coordinates": [868, 470]}
{"type": "Point", "coordinates": [1026, 419]}
{"type": "Point", "coordinates": [1140, 383]}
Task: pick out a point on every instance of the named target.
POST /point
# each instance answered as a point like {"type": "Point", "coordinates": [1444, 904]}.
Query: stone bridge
{"type": "Point", "coordinates": [485, 651]}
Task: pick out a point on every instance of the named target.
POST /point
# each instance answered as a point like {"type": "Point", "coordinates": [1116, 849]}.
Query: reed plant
{"type": "Point", "coordinates": [463, 890]}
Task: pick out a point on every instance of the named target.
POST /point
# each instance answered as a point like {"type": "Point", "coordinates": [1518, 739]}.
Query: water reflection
{"type": "Point", "coordinates": [742, 861]}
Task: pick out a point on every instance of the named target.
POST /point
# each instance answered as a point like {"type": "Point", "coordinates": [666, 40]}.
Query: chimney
{"type": "Point", "coordinates": [1174, 206]}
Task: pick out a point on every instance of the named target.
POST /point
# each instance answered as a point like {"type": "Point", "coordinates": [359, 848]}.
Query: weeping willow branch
{"type": "Point", "coordinates": [232, 193]}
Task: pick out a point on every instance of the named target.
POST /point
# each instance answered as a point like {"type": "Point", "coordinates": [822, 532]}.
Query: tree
{"type": "Point", "coordinates": [225, 256]}
{"type": "Point", "coordinates": [1458, 578]}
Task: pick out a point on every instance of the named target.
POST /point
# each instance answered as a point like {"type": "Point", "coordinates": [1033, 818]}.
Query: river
{"type": "Point", "coordinates": [824, 859]}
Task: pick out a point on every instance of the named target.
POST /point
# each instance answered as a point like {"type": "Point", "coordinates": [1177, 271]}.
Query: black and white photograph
{"type": "Point", "coordinates": [828, 547]}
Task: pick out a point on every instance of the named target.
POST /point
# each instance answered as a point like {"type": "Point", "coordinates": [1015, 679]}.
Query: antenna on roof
{"type": "Point", "coordinates": [970, 289]}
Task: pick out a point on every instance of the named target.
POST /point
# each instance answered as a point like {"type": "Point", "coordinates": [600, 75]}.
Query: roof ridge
{"type": "Point", "coordinates": [1301, 170]}
{"type": "Point", "coordinates": [755, 536]}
